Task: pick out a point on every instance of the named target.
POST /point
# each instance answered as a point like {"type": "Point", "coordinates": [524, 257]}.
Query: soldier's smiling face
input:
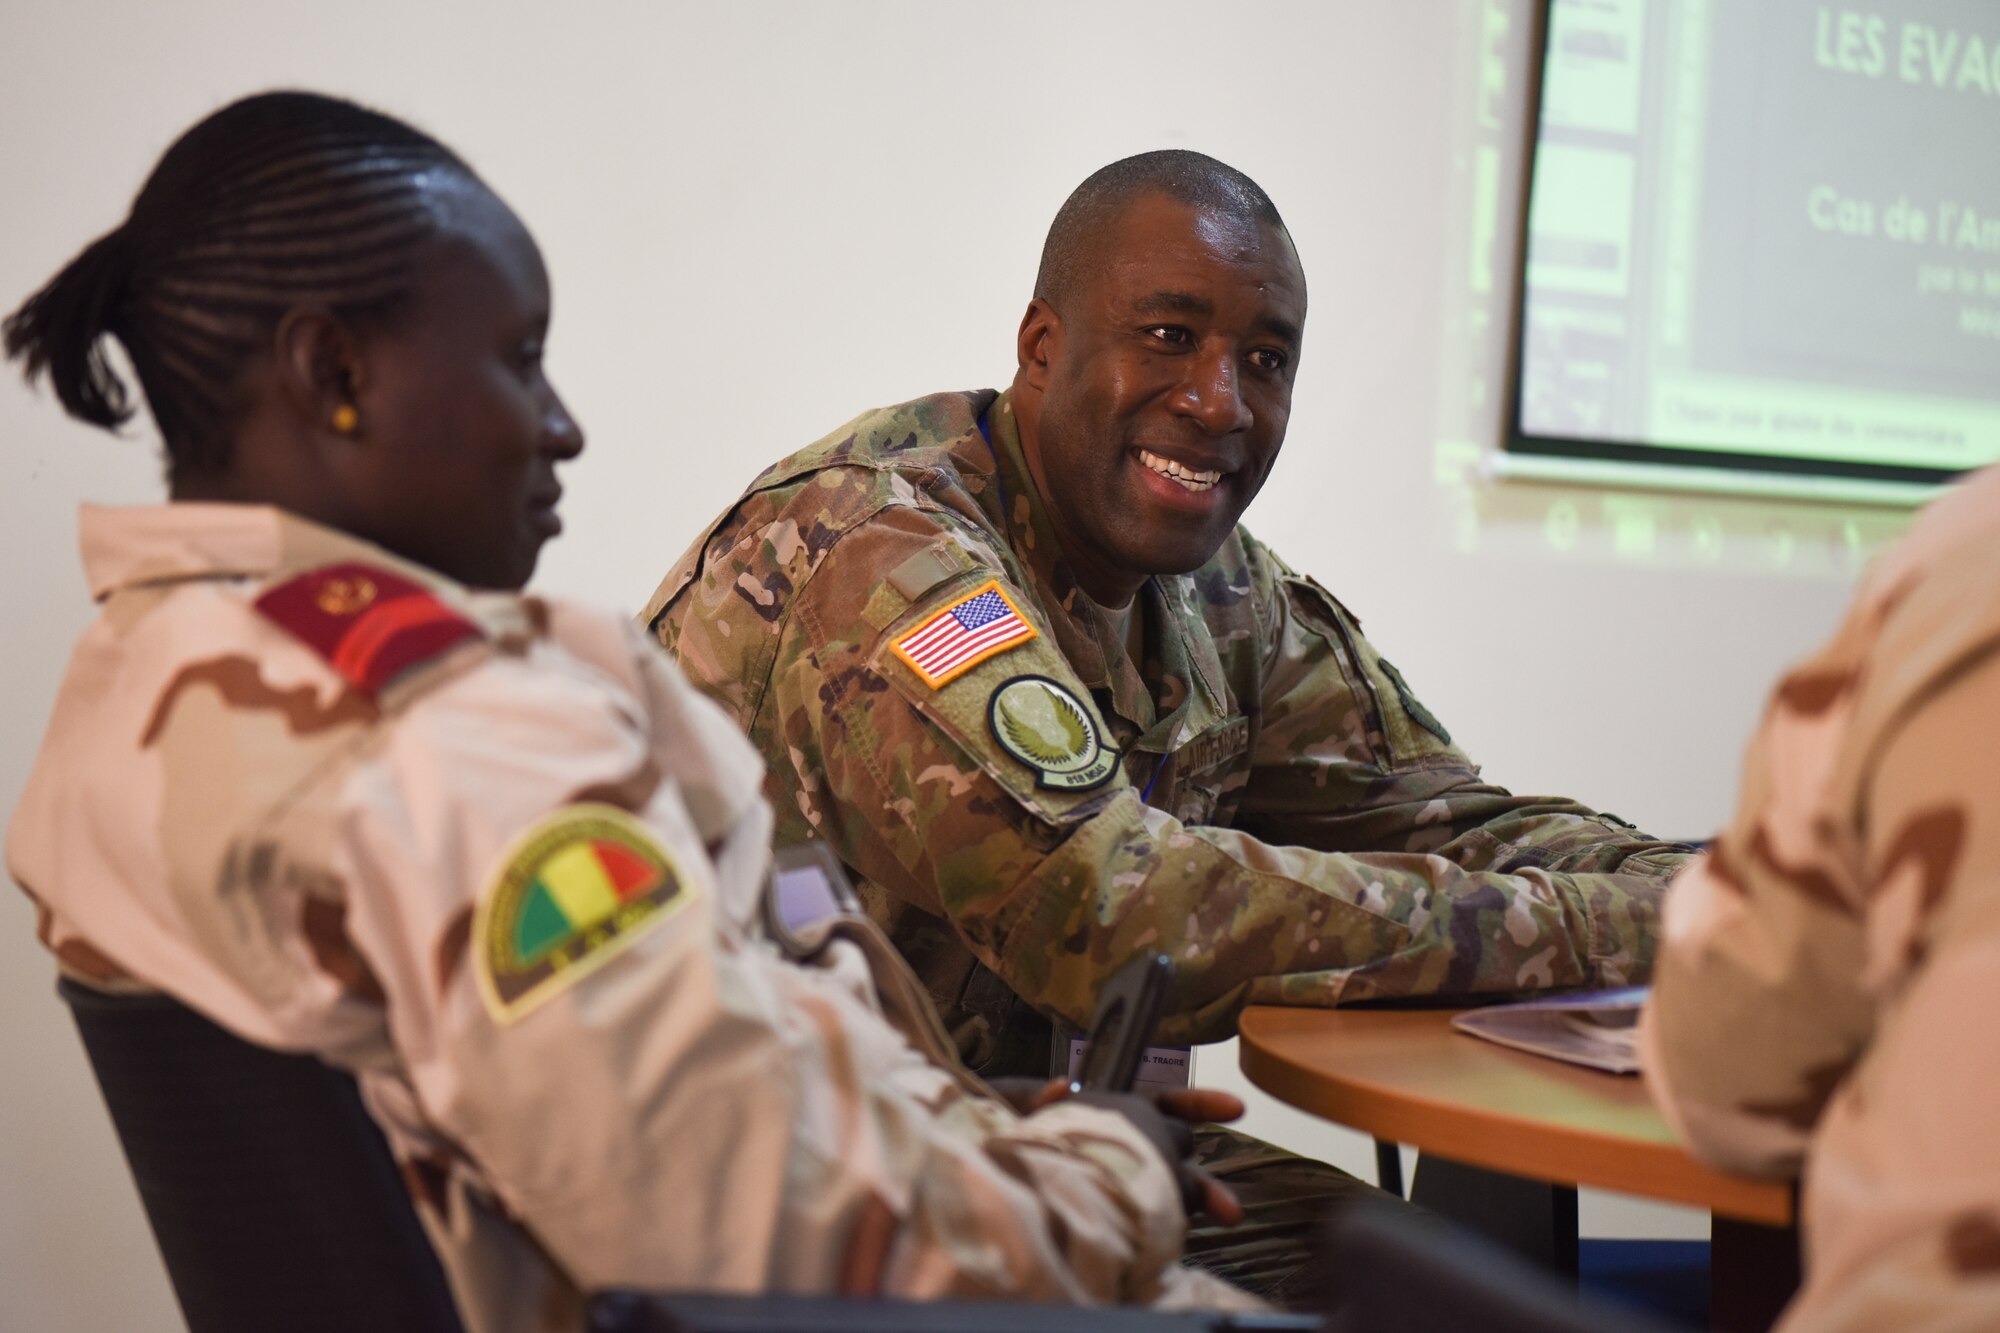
{"type": "Point", "coordinates": [1153, 404]}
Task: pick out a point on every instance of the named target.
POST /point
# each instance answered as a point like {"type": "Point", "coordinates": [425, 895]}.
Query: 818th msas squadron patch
{"type": "Point", "coordinates": [573, 892]}
{"type": "Point", "coordinates": [1043, 725]}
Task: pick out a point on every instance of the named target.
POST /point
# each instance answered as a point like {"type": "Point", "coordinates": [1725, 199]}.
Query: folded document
{"type": "Point", "coordinates": [1598, 1028]}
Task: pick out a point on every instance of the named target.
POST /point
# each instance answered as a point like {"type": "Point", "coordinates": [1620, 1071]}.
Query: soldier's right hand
{"type": "Point", "coordinates": [1168, 1120]}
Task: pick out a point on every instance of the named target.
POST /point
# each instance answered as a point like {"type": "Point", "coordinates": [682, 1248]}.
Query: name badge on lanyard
{"type": "Point", "coordinates": [807, 893]}
{"type": "Point", "coordinates": [1161, 1069]}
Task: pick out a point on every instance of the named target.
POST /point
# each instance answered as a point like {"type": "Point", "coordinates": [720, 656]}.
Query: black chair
{"type": "Point", "coordinates": [278, 1206]}
{"type": "Point", "coordinates": [1417, 1274]}
{"type": "Point", "coordinates": [618, 1312]}
{"type": "Point", "coordinates": [272, 1194]}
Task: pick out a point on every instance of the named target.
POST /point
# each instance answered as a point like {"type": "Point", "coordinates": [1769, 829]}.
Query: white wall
{"type": "Point", "coordinates": [764, 217]}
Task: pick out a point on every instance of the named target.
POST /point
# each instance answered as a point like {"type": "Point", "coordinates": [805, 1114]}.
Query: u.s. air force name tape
{"type": "Point", "coordinates": [1040, 723]}
{"type": "Point", "coordinates": [573, 891]}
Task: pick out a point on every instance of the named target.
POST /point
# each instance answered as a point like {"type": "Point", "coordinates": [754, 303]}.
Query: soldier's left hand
{"type": "Point", "coordinates": [1027, 1094]}
{"type": "Point", "coordinates": [1201, 1192]}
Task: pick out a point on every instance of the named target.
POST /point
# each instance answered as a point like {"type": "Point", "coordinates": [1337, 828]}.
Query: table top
{"type": "Point", "coordinates": [1405, 1075]}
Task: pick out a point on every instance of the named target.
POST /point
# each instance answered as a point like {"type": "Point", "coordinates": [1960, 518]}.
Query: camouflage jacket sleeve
{"type": "Point", "coordinates": [521, 902]}
{"type": "Point", "coordinates": [1825, 970]}
{"type": "Point", "coordinates": [692, 1110]}
{"type": "Point", "coordinates": [1052, 885]}
{"type": "Point", "coordinates": [1841, 875]}
{"type": "Point", "coordinates": [1754, 1016]}
{"type": "Point", "coordinates": [1347, 759]}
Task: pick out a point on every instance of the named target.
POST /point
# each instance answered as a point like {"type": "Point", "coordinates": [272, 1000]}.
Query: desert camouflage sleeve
{"type": "Point", "coordinates": [1757, 1011]}
{"type": "Point", "coordinates": [1051, 887]}
{"type": "Point", "coordinates": [1826, 971]}
{"type": "Point", "coordinates": [1848, 910]}
{"type": "Point", "coordinates": [686, 1109]}
{"type": "Point", "coordinates": [1902, 1203]}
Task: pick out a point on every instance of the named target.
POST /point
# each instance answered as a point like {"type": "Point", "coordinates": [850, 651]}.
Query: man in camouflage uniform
{"type": "Point", "coordinates": [1011, 655]}
{"type": "Point", "coordinates": [1824, 969]}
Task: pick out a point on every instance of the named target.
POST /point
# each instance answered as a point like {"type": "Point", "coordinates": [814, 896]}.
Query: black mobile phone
{"type": "Point", "coordinates": [1128, 1009]}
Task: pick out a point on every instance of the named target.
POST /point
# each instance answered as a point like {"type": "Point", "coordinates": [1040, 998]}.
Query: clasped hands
{"type": "Point", "coordinates": [1167, 1119]}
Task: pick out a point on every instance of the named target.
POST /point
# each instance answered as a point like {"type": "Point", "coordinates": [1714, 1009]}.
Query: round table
{"type": "Point", "coordinates": [1406, 1076]}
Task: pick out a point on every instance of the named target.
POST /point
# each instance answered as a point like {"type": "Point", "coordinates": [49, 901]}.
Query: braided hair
{"type": "Point", "coordinates": [277, 201]}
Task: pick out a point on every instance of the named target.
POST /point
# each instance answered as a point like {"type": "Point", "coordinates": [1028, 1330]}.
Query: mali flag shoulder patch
{"type": "Point", "coordinates": [570, 894]}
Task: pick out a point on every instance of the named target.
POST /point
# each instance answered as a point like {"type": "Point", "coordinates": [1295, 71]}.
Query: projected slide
{"type": "Point", "coordinates": [1765, 234]}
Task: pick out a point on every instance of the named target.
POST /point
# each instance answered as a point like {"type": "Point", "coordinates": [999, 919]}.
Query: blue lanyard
{"type": "Point", "coordinates": [1006, 511]}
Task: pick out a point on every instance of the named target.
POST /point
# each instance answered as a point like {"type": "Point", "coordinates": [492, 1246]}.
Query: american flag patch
{"type": "Point", "coordinates": [964, 634]}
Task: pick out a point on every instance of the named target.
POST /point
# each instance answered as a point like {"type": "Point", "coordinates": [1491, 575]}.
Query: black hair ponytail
{"type": "Point", "coordinates": [278, 200]}
{"type": "Point", "coordinates": [60, 332]}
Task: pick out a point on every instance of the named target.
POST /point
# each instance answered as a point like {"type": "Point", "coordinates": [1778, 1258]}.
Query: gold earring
{"type": "Point", "coordinates": [345, 419]}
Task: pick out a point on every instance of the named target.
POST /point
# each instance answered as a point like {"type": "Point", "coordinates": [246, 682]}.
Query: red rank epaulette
{"type": "Point", "coordinates": [372, 625]}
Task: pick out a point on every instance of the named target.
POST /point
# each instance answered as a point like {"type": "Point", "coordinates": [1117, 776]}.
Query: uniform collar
{"type": "Point", "coordinates": [171, 543]}
{"type": "Point", "coordinates": [1031, 533]}
{"type": "Point", "coordinates": [1171, 696]}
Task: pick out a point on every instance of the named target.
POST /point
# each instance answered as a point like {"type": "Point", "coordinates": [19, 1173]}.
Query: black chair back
{"type": "Point", "coordinates": [272, 1194]}
{"type": "Point", "coordinates": [277, 1205]}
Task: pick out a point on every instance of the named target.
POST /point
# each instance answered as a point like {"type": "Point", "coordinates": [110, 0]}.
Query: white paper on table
{"type": "Point", "coordinates": [1598, 1029]}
